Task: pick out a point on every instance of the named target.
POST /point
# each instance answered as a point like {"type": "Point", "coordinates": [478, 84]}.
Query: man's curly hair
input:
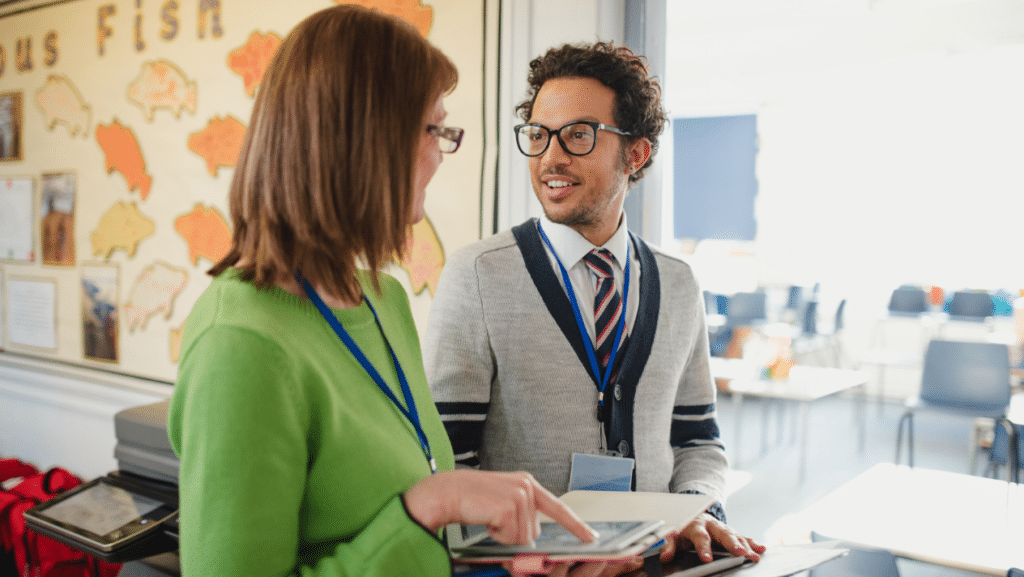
{"type": "Point", "coordinates": [637, 107]}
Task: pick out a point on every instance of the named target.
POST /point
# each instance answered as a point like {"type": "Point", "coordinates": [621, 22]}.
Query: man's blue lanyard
{"type": "Point", "coordinates": [332, 320]}
{"type": "Point", "coordinates": [602, 381]}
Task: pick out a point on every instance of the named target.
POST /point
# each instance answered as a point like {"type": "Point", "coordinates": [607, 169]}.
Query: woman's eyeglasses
{"type": "Point", "coordinates": [448, 137]}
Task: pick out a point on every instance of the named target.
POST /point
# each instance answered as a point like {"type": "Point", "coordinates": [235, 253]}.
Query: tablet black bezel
{"type": "Point", "coordinates": [119, 537]}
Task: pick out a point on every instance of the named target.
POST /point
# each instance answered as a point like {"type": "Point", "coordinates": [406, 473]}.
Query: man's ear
{"type": "Point", "coordinates": [639, 153]}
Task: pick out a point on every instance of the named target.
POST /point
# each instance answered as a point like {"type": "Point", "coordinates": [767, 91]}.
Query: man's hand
{"type": "Point", "coordinates": [705, 530]}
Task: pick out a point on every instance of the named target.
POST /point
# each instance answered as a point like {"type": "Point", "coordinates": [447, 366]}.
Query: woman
{"type": "Point", "coordinates": [301, 414]}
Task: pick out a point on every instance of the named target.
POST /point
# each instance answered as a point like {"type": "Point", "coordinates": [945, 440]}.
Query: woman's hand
{"type": "Point", "coordinates": [507, 503]}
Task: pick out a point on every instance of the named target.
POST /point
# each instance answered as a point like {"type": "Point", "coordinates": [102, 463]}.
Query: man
{"type": "Point", "coordinates": [519, 377]}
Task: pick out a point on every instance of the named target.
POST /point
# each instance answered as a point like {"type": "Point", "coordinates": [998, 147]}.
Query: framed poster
{"type": "Point", "coordinates": [10, 126]}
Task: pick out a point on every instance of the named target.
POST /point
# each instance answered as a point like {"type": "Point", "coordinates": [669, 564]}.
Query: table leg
{"type": "Point", "coordinates": [804, 418]}
{"type": "Point", "coordinates": [737, 401]}
{"type": "Point", "coordinates": [881, 388]}
{"type": "Point", "coordinates": [862, 416]}
{"type": "Point", "coordinates": [781, 434]}
{"type": "Point", "coordinates": [764, 425]}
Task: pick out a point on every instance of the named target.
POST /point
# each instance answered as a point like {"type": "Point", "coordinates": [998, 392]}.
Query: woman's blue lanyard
{"type": "Point", "coordinates": [601, 380]}
{"type": "Point", "coordinates": [409, 413]}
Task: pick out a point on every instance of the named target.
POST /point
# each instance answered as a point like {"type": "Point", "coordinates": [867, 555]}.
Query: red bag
{"type": "Point", "coordinates": [27, 553]}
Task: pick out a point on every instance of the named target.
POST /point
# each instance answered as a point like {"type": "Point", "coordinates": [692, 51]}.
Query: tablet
{"type": "Point", "coordinates": [469, 540]}
{"type": "Point", "coordinates": [104, 514]}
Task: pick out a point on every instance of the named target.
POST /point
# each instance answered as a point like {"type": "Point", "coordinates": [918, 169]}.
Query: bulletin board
{"type": "Point", "coordinates": [120, 124]}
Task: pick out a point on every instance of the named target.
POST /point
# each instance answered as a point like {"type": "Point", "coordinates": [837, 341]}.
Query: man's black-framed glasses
{"type": "Point", "coordinates": [449, 137]}
{"type": "Point", "coordinates": [577, 138]}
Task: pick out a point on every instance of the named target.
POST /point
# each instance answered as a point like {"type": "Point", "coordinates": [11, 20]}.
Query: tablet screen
{"type": "Point", "coordinates": [556, 537]}
{"type": "Point", "coordinates": [102, 508]}
{"type": "Point", "coordinates": [553, 539]}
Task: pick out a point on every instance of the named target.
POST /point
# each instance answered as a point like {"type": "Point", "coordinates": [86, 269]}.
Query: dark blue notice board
{"type": "Point", "coordinates": [714, 181]}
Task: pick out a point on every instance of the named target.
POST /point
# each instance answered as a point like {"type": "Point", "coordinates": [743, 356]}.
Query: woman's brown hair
{"type": "Point", "coordinates": [326, 171]}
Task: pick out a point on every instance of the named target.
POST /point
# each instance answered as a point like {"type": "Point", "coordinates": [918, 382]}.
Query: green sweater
{"type": "Point", "coordinates": [292, 460]}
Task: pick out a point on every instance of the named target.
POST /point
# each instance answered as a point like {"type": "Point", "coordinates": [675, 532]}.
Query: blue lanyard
{"type": "Point", "coordinates": [602, 381]}
{"type": "Point", "coordinates": [411, 414]}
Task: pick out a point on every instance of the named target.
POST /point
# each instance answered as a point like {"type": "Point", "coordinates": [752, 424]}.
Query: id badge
{"type": "Point", "coordinates": [600, 473]}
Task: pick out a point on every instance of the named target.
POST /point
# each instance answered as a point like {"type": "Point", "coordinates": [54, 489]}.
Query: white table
{"type": "Point", "coordinates": [804, 385]}
{"type": "Point", "coordinates": [960, 521]}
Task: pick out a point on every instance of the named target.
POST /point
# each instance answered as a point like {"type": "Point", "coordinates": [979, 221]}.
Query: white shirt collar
{"type": "Point", "coordinates": [571, 246]}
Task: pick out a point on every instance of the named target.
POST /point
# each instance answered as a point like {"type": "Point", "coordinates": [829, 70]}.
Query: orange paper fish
{"type": "Point", "coordinates": [250, 61]}
{"type": "Point", "coordinates": [124, 155]}
{"type": "Point", "coordinates": [206, 233]}
{"type": "Point", "coordinates": [411, 11]}
{"type": "Point", "coordinates": [162, 85]}
{"type": "Point", "coordinates": [219, 143]}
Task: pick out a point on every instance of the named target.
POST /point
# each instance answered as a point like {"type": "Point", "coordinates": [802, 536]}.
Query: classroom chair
{"type": "Point", "coordinates": [971, 379]}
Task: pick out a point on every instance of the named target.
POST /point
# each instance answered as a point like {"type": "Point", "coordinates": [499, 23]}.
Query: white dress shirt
{"type": "Point", "coordinates": [571, 247]}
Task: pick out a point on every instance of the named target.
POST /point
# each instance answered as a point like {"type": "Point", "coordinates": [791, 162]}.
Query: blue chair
{"type": "Point", "coordinates": [962, 378]}
{"type": "Point", "coordinates": [1014, 572]}
{"type": "Point", "coordinates": [859, 562]}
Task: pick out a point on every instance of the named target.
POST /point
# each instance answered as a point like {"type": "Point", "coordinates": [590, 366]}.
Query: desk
{"type": "Point", "coordinates": [804, 385]}
{"type": "Point", "coordinates": [961, 521]}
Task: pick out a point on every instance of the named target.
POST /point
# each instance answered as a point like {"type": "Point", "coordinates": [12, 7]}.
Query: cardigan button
{"type": "Point", "coordinates": [618, 393]}
{"type": "Point", "coordinates": [624, 448]}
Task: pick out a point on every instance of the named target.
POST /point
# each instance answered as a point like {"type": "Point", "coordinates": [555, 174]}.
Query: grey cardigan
{"type": "Point", "coordinates": [508, 370]}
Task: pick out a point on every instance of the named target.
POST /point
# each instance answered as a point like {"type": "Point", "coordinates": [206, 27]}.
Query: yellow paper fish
{"type": "Point", "coordinates": [162, 85]}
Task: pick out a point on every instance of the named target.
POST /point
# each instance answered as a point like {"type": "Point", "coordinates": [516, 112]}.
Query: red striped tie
{"type": "Point", "coordinates": [607, 303]}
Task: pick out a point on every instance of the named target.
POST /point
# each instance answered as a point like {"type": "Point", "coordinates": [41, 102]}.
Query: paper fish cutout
{"type": "Point", "coordinates": [424, 258]}
{"type": "Point", "coordinates": [60, 102]}
{"type": "Point", "coordinates": [219, 143]}
{"type": "Point", "coordinates": [154, 291]}
{"type": "Point", "coordinates": [124, 227]}
{"type": "Point", "coordinates": [250, 61]}
{"type": "Point", "coordinates": [411, 11]}
{"type": "Point", "coordinates": [175, 342]}
{"type": "Point", "coordinates": [124, 155]}
{"type": "Point", "coordinates": [162, 85]}
{"type": "Point", "coordinates": [206, 233]}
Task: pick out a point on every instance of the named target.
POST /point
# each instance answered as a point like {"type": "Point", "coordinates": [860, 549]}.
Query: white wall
{"type": "Point", "coordinates": [52, 414]}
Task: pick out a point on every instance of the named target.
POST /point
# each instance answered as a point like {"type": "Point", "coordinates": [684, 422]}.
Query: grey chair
{"type": "Point", "coordinates": [746, 309]}
{"type": "Point", "coordinates": [971, 306]}
{"type": "Point", "coordinates": [859, 562]}
{"type": "Point", "coordinates": [1006, 448]}
{"type": "Point", "coordinates": [962, 378]}
{"type": "Point", "coordinates": [908, 301]}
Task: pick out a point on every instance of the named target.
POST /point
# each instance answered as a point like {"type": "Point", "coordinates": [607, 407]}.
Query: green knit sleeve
{"type": "Point", "coordinates": [239, 421]}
